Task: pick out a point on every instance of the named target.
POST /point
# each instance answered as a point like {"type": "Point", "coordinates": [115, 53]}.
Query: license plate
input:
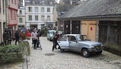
{"type": "Point", "coordinates": [97, 47]}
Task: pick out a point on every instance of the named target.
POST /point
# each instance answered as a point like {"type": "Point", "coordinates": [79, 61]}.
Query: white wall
{"type": "Point", "coordinates": [21, 16]}
{"type": "Point", "coordinates": [39, 13]}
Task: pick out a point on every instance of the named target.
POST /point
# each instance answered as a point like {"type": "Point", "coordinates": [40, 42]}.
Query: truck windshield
{"type": "Point", "coordinates": [51, 32]}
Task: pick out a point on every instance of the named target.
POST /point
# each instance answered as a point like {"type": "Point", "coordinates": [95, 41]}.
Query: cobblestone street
{"type": "Point", "coordinates": [68, 60]}
{"type": "Point", "coordinates": [46, 59]}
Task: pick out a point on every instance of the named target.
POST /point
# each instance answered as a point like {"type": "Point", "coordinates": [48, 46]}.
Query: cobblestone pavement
{"type": "Point", "coordinates": [46, 59]}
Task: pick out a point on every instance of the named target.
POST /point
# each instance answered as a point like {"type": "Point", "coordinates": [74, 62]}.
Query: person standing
{"type": "Point", "coordinates": [55, 41]}
{"type": "Point", "coordinates": [10, 37]}
{"type": "Point", "coordinates": [17, 37]}
{"type": "Point", "coordinates": [38, 41]}
{"type": "Point", "coordinates": [34, 38]}
{"type": "Point", "coordinates": [6, 37]}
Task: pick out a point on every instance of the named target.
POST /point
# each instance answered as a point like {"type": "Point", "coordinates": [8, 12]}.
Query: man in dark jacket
{"type": "Point", "coordinates": [17, 37]}
{"type": "Point", "coordinates": [55, 41]}
{"type": "Point", "coordinates": [38, 41]}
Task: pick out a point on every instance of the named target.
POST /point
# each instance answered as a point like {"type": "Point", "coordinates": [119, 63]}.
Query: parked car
{"type": "Point", "coordinates": [50, 34]}
{"type": "Point", "coordinates": [79, 43]}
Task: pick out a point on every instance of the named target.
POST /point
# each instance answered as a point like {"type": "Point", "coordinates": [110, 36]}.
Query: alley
{"type": "Point", "coordinates": [46, 59]}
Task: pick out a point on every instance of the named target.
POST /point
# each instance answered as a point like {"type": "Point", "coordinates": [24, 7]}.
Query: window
{"type": "Point", "coordinates": [20, 12]}
{"type": "Point", "coordinates": [42, 9]}
{"type": "Point", "coordinates": [20, 20]}
{"type": "Point", "coordinates": [30, 9]}
{"type": "Point", "coordinates": [48, 9]}
{"type": "Point", "coordinates": [15, 1]}
{"type": "Point", "coordinates": [15, 13]}
{"type": "Point", "coordinates": [64, 38]}
{"type": "Point", "coordinates": [36, 9]}
{"type": "Point", "coordinates": [72, 38]}
{"type": "Point", "coordinates": [42, 17]}
{"type": "Point", "coordinates": [36, 17]}
{"type": "Point", "coordinates": [48, 18]}
{"type": "Point", "coordinates": [11, 14]}
{"type": "Point", "coordinates": [30, 17]}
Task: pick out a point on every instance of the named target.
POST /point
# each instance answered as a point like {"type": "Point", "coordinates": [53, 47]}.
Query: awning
{"type": "Point", "coordinates": [10, 25]}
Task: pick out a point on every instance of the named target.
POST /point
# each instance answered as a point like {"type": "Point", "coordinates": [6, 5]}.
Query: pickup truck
{"type": "Point", "coordinates": [79, 43]}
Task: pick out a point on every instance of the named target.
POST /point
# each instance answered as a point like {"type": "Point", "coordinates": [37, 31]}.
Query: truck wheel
{"type": "Point", "coordinates": [85, 53]}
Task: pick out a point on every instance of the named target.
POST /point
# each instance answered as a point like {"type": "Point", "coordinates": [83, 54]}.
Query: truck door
{"type": "Point", "coordinates": [63, 42]}
{"type": "Point", "coordinates": [73, 43]}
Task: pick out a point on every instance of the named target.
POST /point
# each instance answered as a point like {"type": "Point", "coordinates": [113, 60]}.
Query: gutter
{"type": "Point", "coordinates": [92, 17]}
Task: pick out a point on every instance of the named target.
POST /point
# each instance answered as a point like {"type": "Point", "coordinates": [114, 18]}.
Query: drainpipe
{"type": "Point", "coordinates": [70, 26]}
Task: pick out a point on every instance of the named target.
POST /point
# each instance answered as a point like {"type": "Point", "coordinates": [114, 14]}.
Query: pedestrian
{"type": "Point", "coordinates": [10, 37]}
{"type": "Point", "coordinates": [34, 38]}
{"type": "Point", "coordinates": [56, 36]}
{"type": "Point", "coordinates": [17, 37]}
{"type": "Point", "coordinates": [6, 37]}
{"type": "Point", "coordinates": [38, 41]}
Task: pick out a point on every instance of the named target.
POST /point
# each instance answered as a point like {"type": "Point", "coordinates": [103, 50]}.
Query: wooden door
{"type": "Point", "coordinates": [92, 32]}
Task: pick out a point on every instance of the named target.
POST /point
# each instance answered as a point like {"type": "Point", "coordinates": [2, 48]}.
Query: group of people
{"type": "Point", "coordinates": [36, 41]}
{"type": "Point", "coordinates": [34, 34]}
{"type": "Point", "coordinates": [14, 35]}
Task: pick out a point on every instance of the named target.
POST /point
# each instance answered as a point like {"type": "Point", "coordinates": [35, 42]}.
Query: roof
{"type": "Point", "coordinates": [40, 2]}
{"type": "Point", "coordinates": [95, 8]}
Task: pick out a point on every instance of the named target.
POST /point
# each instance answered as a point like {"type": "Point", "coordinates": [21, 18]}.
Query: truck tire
{"type": "Point", "coordinates": [85, 53]}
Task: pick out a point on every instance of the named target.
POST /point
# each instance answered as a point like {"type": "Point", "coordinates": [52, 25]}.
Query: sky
{"type": "Point", "coordinates": [57, 1]}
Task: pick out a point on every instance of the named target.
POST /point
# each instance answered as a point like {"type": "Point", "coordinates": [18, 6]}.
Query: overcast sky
{"type": "Point", "coordinates": [58, 1]}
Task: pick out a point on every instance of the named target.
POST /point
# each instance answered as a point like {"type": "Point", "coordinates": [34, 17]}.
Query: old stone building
{"type": "Point", "coordinates": [100, 20]}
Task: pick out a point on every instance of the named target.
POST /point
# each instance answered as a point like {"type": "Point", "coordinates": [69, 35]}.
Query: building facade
{"type": "Point", "coordinates": [39, 14]}
{"type": "Point", "coordinates": [21, 14]}
{"type": "Point", "coordinates": [3, 9]}
{"type": "Point", "coordinates": [21, 17]}
{"type": "Point", "coordinates": [12, 14]}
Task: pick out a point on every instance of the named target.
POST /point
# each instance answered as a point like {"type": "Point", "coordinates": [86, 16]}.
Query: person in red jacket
{"type": "Point", "coordinates": [28, 34]}
{"type": "Point", "coordinates": [55, 41]}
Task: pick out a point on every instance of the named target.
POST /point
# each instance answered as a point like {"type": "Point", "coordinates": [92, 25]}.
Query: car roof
{"type": "Point", "coordinates": [52, 30]}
